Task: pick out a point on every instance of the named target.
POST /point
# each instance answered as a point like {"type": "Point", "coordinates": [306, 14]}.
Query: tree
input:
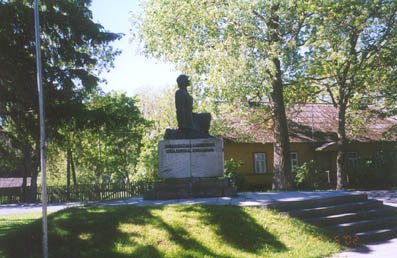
{"type": "Point", "coordinates": [8, 155]}
{"type": "Point", "coordinates": [159, 108]}
{"type": "Point", "coordinates": [352, 57]}
{"type": "Point", "coordinates": [235, 50]}
{"type": "Point", "coordinates": [117, 140]}
{"type": "Point", "coordinates": [102, 144]}
{"type": "Point", "coordinates": [74, 51]}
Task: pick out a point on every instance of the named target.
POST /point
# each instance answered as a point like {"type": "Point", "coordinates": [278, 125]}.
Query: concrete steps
{"type": "Point", "coordinates": [351, 216]}
{"type": "Point", "coordinates": [355, 218]}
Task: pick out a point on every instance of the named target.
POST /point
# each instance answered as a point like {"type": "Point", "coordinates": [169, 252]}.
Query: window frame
{"type": "Point", "coordinates": [264, 162]}
{"type": "Point", "coordinates": [291, 159]}
{"type": "Point", "coordinates": [352, 162]}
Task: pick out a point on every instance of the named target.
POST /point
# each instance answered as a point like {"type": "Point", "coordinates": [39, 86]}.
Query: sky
{"type": "Point", "coordinates": [133, 72]}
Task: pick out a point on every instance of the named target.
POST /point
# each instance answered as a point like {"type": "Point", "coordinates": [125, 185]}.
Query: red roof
{"type": "Point", "coordinates": [309, 123]}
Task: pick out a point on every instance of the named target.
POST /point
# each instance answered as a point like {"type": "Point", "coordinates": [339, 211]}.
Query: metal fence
{"type": "Point", "coordinates": [10, 195]}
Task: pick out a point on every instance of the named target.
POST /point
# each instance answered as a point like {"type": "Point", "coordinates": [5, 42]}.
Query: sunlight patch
{"type": "Point", "coordinates": [61, 232]}
{"type": "Point", "coordinates": [96, 211]}
{"type": "Point", "coordinates": [85, 236]}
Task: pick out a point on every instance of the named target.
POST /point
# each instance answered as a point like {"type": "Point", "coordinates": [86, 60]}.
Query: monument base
{"type": "Point", "coordinates": [182, 188]}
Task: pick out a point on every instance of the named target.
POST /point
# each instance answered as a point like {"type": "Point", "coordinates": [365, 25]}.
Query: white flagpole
{"type": "Point", "coordinates": [42, 128]}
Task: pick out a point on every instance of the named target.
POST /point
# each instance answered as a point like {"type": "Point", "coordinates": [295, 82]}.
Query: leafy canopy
{"type": "Point", "coordinates": [227, 45]}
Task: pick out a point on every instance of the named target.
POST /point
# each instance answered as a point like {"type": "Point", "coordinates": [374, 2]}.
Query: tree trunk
{"type": "Point", "coordinates": [282, 164]}
{"type": "Point", "coordinates": [341, 157]}
{"type": "Point", "coordinates": [68, 172]}
{"type": "Point", "coordinates": [34, 168]}
{"type": "Point", "coordinates": [73, 170]}
{"type": "Point", "coordinates": [68, 168]}
{"type": "Point", "coordinates": [27, 164]}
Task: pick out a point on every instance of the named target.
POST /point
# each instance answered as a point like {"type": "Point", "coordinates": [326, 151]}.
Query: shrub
{"type": "Point", "coordinates": [231, 168]}
{"type": "Point", "coordinates": [376, 171]}
{"type": "Point", "coordinates": [308, 176]}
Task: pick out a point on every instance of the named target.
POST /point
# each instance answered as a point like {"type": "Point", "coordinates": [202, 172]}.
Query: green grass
{"type": "Point", "coordinates": [164, 231]}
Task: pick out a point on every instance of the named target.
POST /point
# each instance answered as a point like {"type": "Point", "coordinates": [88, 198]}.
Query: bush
{"type": "Point", "coordinates": [374, 172]}
{"type": "Point", "coordinates": [148, 165]}
{"type": "Point", "coordinates": [231, 168]}
{"type": "Point", "coordinates": [308, 176]}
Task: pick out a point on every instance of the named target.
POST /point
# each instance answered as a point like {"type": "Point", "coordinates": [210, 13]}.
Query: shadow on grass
{"type": "Point", "coordinates": [79, 232]}
{"type": "Point", "coordinates": [9, 225]}
{"type": "Point", "coordinates": [192, 247]}
{"type": "Point", "coordinates": [95, 232]}
{"type": "Point", "coordinates": [237, 228]}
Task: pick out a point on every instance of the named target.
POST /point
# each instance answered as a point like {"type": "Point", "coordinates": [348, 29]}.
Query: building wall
{"type": "Point", "coordinates": [305, 151]}
{"type": "Point", "coordinates": [367, 149]}
{"type": "Point", "coordinates": [245, 152]}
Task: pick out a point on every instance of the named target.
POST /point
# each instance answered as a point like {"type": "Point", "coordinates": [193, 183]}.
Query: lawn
{"type": "Point", "coordinates": [164, 231]}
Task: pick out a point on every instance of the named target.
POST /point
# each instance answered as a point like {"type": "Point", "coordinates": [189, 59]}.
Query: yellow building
{"type": "Point", "coordinates": [312, 131]}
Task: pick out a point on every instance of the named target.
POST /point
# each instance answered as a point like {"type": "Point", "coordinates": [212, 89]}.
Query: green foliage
{"type": "Point", "coordinates": [231, 167]}
{"type": "Point", "coordinates": [227, 46]}
{"type": "Point", "coordinates": [159, 108]}
{"type": "Point", "coordinates": [351, 60]}
{"type": "Point", "coordinates": [108, 143]}
{"type": "Point", "coordinates": [378, 171]}
{"type": "Point", "coordinates": [75, 50]}
{"type": "Point", "coordinates": [236, 51]}
{"type": "Point", "coordinates": [8, 155]}
{"type": "Point", "coordinates": [309, 177]}
{"type": "Point", "coordinates": [148, 160]}
{"type": "Point", "coordinates": [351, 54]}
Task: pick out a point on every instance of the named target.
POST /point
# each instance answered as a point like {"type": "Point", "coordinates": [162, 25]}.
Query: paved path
{"type": "Point", "coordinates": [387, 249]}
{"type": "Point", "coordinates": [35, 207]}
{"type": "Point", "coordinates": [389, 197]}
{"type": "Point", "coordinates": [243, 199]}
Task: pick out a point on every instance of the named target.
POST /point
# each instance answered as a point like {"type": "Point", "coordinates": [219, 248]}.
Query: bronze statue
{"type": "Point", "coordinates": [190, 125]}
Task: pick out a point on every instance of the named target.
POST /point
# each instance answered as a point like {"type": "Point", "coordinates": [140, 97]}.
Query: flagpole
{"type": "Point", "coordinates": [42, 128]}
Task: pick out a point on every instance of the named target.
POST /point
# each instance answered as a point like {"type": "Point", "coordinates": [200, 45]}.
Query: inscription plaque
{"type": "Point", "coordinates": [191, 158]}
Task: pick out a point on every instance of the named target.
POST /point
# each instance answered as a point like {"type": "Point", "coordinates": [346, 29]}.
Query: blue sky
{"type": "Point", "coordinates": [132, 71]}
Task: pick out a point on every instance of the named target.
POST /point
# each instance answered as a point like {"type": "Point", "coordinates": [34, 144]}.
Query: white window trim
{"type": "Point", "coordinates": [291, 159]}
{"type": "Point", "coordinates": [264, 165]}
{"type": "Point", "coordinates": [352, 160]}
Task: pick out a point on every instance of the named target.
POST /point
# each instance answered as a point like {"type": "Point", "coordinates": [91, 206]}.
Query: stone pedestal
{"type": "Point", "coordinates": [191, 158]}
{"type": "Point", "coordinates": [191, 168]}
{"type": "Point", "coordinates": [181, 188]}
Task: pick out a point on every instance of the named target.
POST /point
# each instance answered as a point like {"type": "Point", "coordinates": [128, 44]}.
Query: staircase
{"type": "Point", "coordinates": [355, 218]}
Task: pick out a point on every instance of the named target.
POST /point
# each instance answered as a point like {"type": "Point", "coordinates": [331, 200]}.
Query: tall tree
{"type": "Point", "coordinates": [74, 51]}
{"type": "Point", "coordinates": [352, 57]}
{"type": "Point", "coordinates": [159, 108]}
{"type": "Point", "coordinates": [113, 142]}
{"type": "Point", "coordinates": [235, 49]}
{"type": "Point", "coordinates": [103, 142]}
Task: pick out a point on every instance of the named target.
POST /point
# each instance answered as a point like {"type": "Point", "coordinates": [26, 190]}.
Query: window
{"type": "Point", "coordinates": [352, 158]}
{"type": "Point", "coordinates": [260, 162]}
{"type": "Point", "coordinates": [294, 159]}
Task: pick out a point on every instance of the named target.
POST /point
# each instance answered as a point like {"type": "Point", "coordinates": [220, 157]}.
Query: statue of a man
{"type": "Point", "coordinates": [190, 125]}
{"type": "Point", "coordinates": [184, 104]}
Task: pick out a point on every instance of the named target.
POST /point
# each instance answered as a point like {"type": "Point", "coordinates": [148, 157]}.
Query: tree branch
{"type": "Point", "coordinates": [259, 16]}
{"type": "Point", "coordinates": [331, 95]}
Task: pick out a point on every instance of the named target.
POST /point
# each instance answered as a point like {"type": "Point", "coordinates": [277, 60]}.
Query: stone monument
{"type": "Point", "coordinates": [190, 159]}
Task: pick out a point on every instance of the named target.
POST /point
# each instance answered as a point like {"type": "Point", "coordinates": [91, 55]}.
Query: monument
{"type": "Point", "coordinates": [190, 159]}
